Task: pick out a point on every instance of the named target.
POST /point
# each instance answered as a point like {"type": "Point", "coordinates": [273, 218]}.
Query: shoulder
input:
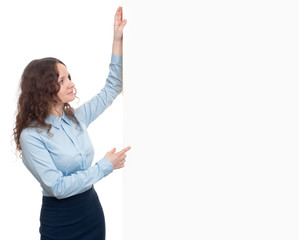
{"type": "Point", "coordinates": [30, 134]}
{"type": "Point", "coordinates": [80, 113]}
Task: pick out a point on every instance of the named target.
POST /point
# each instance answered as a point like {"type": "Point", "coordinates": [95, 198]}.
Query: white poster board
{"type": "Point", "coordinates": [211, 113]}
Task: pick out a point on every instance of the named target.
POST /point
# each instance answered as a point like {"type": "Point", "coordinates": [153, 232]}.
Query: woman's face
{"type": "Point", "coordinates": [66, 92]}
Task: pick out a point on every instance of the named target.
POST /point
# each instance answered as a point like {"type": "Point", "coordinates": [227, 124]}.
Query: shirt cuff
{"type": "Point", "coordinates": [116, 59]}
{"type": "Point", "coordinates": [105, 166]}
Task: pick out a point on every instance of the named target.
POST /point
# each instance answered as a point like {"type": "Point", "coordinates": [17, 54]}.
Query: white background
{"type": "Point", "coordinates": [210, 110]}
{"type": "Point", "coordinates": [80, 34]}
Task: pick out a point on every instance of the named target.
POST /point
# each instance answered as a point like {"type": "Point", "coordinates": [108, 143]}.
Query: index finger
{"type": "Point", "coordinates": [118, 15]}
{"type": "Point", "coordinates": [124, 150]}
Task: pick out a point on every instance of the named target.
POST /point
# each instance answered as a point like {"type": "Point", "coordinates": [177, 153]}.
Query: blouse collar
{"type": "Point", "coordinates": [56, 121]}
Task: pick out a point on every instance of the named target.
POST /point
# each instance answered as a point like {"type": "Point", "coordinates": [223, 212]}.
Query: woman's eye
{"type": "Point", "coordinates": [61, 81]}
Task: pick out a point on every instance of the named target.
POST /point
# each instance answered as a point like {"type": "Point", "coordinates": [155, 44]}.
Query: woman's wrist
{"type": "Point", "coordinates": [117, 47]}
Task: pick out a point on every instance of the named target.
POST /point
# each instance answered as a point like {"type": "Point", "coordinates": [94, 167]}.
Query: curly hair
{"type": "Point", "coordinates": [38, 93]}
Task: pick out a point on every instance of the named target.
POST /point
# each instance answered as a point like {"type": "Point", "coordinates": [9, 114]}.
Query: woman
{"type": "Point", "coordinates": [53, 141]}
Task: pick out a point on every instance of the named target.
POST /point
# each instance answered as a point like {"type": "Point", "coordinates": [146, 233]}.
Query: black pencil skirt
{"type": "Point", "coordinates": [74, 218]}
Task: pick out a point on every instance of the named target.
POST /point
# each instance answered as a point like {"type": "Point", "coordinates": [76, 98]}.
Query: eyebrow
{"type": "Point", "coordinates": [63, 76]}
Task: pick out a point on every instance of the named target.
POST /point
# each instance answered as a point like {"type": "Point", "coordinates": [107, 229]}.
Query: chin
{"type": "Point", "coordinates": [70, 99]}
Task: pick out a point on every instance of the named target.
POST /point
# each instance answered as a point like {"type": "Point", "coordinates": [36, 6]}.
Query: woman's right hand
{"type": "Point", "coordinates": [117, 159]}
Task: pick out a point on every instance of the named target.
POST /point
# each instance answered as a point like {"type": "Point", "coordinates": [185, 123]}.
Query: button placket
{"type": "Point", "coordinates": [73, 140]}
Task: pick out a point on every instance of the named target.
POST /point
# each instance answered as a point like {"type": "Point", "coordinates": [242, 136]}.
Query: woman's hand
{"type": "Point", "coordinates": [117, 159]}
{"type": "Point", "coordinates": [119, 24]}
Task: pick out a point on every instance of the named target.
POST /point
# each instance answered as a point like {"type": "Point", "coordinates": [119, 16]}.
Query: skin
{"type": "Point", "coordinates": [67, 87]}
{"type": "Point", "coordinates": [66, 92]}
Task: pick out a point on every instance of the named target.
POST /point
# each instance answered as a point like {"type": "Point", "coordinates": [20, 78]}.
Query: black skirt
{"type": "Point", "coordinates": [74, 218]}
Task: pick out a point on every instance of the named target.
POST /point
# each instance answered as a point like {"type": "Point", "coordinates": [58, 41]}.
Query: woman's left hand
{"type": "Point", "coordinates": [119, 24]}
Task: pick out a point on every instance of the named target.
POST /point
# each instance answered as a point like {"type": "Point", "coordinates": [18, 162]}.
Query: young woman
{"type": "Point", "coordinates": [53, 141]}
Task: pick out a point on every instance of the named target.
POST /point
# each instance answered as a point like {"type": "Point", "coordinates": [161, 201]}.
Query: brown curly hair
{"type": "Point", "coordinates": [38, 93]}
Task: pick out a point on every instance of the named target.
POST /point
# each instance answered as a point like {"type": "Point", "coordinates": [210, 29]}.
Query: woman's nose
{"type": "Point", "coordinates": [71, 85]}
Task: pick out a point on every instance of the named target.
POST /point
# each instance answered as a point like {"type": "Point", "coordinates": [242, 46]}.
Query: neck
{"type": "Point", "coordinates": [57, 110]}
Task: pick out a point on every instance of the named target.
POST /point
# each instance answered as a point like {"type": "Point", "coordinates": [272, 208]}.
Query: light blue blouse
{"type": "Point", "coordinates": [61, 161]}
